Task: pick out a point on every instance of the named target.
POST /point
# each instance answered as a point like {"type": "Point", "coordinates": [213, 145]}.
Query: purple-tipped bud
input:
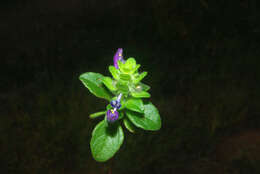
{"type": "Point", "coordinates": [112, 115]}
{"type": "Point", "coordinates": [118, 57]}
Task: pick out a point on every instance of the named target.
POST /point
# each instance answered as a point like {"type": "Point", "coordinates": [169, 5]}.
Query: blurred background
{"type": "Point", "coordinates": [203, 65]}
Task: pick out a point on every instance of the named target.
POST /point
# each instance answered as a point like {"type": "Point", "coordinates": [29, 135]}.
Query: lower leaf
{"type": "Point", "coordinates": [106, 140]}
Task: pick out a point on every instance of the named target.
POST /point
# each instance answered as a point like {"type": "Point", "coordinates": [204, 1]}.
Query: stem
{"type": "Point", "coordinates": [97, 114]}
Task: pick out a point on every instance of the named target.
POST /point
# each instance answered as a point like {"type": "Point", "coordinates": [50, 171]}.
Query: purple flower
{"type": "Point", "coordinates": [112, 115]}
{"type": "Point", "coordinates": [116, 103]}
{"type": "Point", "coordinates": [118, 57]}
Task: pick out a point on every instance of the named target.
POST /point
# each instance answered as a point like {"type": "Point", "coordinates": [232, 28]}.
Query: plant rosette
{"type": "Point", "coordinates": [128, 104]}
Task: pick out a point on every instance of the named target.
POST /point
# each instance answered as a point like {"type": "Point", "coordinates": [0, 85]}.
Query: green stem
{"type": "Point", "coordinates": [97, 114]}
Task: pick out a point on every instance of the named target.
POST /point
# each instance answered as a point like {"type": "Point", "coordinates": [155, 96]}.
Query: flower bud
{"type": "Point", "coordinates": [118, 57]}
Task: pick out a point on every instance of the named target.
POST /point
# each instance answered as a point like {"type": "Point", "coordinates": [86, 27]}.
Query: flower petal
{"type": "Point", "coordinates": [112, 115]}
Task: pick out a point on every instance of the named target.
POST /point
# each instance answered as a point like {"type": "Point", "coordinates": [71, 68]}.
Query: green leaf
{"type": "Point", "coordinates": [106, 140]}
{"type": "Point", "coordinates": [129, 126]}
{"type": "Point", "coordinates": [108, 107]}
{"type": "Point", "coordinates": [143, 86]}
{"type": "Point", "coordinates": [130, 63]}
{"type": "Point", "coordinates": [136, 68]}
{"type": "Point", "coordinates": [120, 66]}
{"type": "Point", "coordinates": [93, 81]}
{"type": "Point", "coordinates": [122, 88]}
{"type": "Point", "coordinates": [115, 72]}
{"type": "Point", "coordinates": [121, 115]}
{"type": "Point", "coordinates": [141, 94]}
{"type": "Point", "coordinates": [139, 88]}
{"type": "Point", "coordinates": [109, 83]}
{"type": "Point", "coordinates": [125, 77]}
{"type": "Point", "coordinates": [129, 67]}
{"type": "Point", "coordinates": [150, 120]}
{"type": "Point", "coordinates": [140, 77]}
{"type": "Point", "coordinates": [97, 114]}
{"type": "Point", "coordinates": [135, 104]}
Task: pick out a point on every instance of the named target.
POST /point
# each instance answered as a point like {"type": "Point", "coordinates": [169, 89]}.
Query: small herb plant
{"type": "Point", "coordinates": [127, 104]}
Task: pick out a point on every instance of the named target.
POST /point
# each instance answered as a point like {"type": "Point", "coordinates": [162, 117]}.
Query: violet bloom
{"type": "Point", "coordinates": [112, 115]}
{"type": "Point", "coordinates": [116, 103]}
{"type": "Point", "coordinates": [118, 57]}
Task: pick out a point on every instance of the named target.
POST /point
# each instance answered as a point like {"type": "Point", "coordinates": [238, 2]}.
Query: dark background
{"type": "Point", "coordinates": [203, 63]}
